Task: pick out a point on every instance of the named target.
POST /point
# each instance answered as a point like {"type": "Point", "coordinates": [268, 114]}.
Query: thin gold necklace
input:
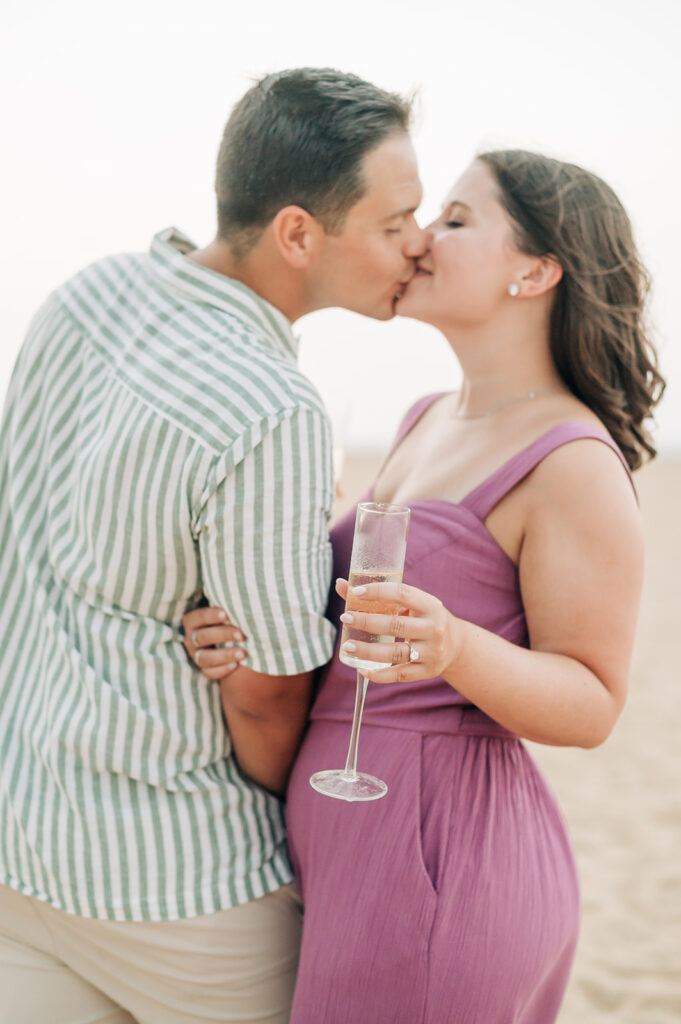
{"type": "Point", "coordinates": [509, 401]}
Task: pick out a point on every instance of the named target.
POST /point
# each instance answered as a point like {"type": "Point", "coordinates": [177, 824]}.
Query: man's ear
{"type": "Point", "coordinates": [295, 233]}
{"type": "Point", "coordinates": [541, 277]}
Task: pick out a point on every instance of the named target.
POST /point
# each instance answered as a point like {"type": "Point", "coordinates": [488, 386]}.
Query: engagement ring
{"type": "Point", "coordinates": [413, 653]}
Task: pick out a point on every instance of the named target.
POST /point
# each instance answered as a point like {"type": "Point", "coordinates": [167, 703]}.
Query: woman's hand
{"type": "Point", "coordinates": [432, 632]}
{"type": "Point", "coordinates": [205, 630]}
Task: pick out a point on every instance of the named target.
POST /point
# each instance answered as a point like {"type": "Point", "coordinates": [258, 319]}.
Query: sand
{"type": "Point", "coordinates": [622, 801]}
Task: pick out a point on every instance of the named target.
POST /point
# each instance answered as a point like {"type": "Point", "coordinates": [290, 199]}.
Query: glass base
{"type": "Point", "coordinates": [343, 785]}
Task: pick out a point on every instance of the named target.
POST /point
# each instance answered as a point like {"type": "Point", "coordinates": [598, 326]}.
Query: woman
{"type": "Point", "coordinates": [454, 899]}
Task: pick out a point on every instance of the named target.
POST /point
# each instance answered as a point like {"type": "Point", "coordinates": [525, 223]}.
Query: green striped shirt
{"type": "Point", "coordinates": [158, 443]}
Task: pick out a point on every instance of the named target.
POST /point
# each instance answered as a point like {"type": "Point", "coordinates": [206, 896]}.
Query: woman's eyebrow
{"type": "Point", "coordinates": [456, 202]}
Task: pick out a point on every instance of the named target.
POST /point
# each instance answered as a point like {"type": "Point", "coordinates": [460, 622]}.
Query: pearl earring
{"type": "Point", "coordinates": [513, 289]}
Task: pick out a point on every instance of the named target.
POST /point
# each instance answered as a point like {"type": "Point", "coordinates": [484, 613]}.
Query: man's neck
{"type": "Point", "coordinates": [261, 270]}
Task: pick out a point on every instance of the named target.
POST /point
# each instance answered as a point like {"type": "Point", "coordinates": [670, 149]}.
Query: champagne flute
{"type": "Point", "coordinates": [378, 550]}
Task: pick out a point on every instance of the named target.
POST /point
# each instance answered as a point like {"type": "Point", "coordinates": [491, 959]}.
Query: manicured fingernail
{"type": "Point", "coordinates": [239, 636]}
{"type": "Point", "coordinates": [197, 657]}
{"type": "Point", "coordinates": [349, 646]}
{"type": "Point", "coordinates": [359, 590]}
{"type": "Point", "coordinates": [230, 667]}
{"type": "Point", "coordinates": [194, 640]}
{"type": "Point", "coordinates": [240, 655]}
{"type": "Point", "coordinates": [347, 617]}
{"type": "Point", "coordinates": [222, 615]}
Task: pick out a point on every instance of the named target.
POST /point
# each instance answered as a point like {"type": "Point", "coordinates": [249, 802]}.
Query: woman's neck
{"type": "Point", "coordinates": [499, 368]}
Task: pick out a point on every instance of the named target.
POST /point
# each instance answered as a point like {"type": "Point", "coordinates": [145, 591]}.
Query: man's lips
{"type": "Point", "coordinates": [401, 288]}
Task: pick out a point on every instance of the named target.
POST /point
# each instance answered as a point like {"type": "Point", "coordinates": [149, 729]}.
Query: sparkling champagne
{"type": "Point", "coordinates": [360, 604]}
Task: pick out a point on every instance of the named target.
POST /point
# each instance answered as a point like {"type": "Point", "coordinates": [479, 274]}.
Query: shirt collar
{"type": "Point", "coordinates": [168, 258]}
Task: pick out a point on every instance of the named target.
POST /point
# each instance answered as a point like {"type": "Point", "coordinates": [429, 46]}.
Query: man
{"type": "Point", "coordinates": [159, 442]}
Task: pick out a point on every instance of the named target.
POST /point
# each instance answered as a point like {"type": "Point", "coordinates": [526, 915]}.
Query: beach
{"type": "Point", "coordinates": [622, 801]}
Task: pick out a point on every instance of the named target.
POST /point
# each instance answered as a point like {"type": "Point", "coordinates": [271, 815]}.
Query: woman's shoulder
{"type": "Point", "coordinates": [582, 502]}
{"type": "Point", "coordinates": [577, 463]}
{"type": "Point", "coordinates": [573, 436]}
{"type": "Point", "coordinates": [585, 469]}
{"type": "Point", "coordinates": [567, 408]}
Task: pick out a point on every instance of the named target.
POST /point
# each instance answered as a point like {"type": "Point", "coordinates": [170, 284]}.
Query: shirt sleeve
{"type": "Point", "coordinates": [264, 545]}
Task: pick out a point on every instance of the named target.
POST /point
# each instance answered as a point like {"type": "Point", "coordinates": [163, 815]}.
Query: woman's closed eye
{"type": "Point", "coordinates": [454, 224]}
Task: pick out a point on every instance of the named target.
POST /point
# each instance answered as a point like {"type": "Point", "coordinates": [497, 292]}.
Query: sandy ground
{"type": "Point", "coordinates": [622, 801]}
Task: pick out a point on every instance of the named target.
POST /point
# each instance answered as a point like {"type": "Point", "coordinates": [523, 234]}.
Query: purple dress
{"type": "Point", "coordinates": [454, 899]}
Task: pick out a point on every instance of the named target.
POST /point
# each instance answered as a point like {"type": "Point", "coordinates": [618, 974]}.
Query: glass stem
{"type": "Point", "coordinates": [360, 694]}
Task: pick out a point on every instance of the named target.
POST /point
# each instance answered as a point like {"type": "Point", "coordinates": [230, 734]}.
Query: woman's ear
{"type": "Point", "coordinates": [544, 275]}
{"type": "Point", "coordinates": [295, 233]}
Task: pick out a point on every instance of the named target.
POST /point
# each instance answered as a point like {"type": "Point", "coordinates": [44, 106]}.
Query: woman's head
{"type": "Point", "coordinates": [598, 337]}
{"type": "Point", "coordinates": [462, 282]}
{"type": "Point", "coordinates": [561, 234]}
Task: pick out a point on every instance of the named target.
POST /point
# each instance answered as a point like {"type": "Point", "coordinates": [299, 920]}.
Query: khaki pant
{"type": "Point", "coordinates": [238, 965]}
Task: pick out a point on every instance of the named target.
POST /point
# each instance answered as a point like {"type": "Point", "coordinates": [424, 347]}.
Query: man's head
{"type": "Point", "coordinates": [333, 150]}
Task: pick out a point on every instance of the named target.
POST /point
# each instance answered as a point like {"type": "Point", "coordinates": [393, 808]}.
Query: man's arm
{"type": "Point", "coordinates": [265, 714]}
{"type": "Point", "coordinates": [266, 717]}
{"type": "Point", "coordinates": [266, 560]}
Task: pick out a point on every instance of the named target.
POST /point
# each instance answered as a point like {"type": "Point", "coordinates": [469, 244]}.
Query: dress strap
{"type": "Point", "coordinates": [489, 493]}
{"type": "Point", "coordinates": [412, 415]}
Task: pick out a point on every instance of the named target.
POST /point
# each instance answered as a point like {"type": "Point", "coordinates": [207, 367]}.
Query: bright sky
{"type": "Point", "coordinates": [111, 116]}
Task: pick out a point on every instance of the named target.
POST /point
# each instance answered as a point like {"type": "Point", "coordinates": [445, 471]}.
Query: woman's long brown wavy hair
{"type": "Point", "coordinates": [599, 339]}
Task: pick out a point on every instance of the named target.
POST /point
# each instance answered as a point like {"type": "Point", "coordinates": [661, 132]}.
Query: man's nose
{"type": "Point", "coordinates": [418, 242]}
